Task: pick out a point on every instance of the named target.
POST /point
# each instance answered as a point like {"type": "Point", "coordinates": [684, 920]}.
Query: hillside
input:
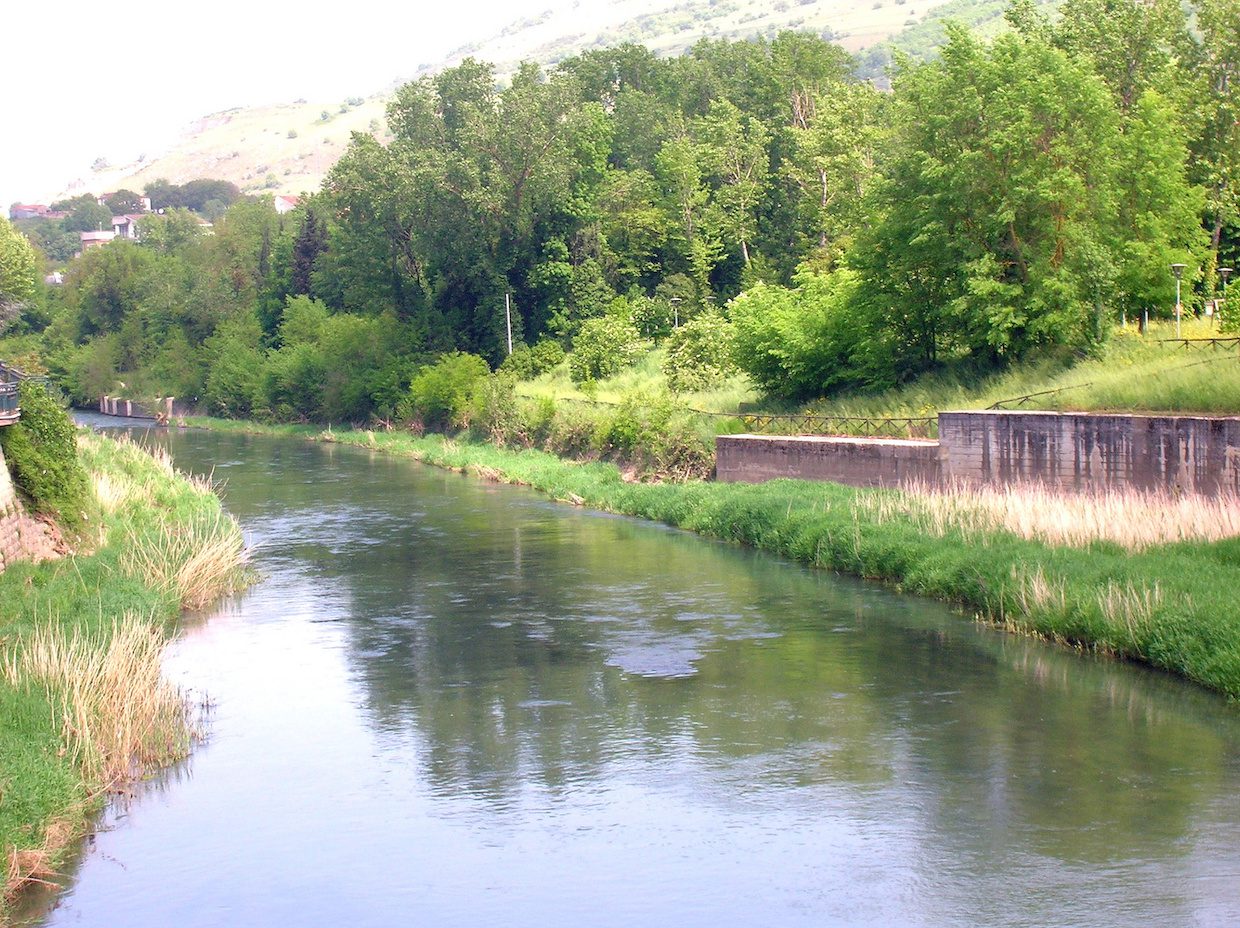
{"type": "Point", "coordinates": [286, 148]}
{"type": "Point", "coordinates": [289, 148]}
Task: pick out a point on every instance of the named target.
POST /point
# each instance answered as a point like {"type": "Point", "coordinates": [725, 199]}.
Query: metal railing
{"type": "Point", "coordinates": [851, 426]}
{"type": "Point", "coordinates": [9, 410]}
{"type": "Point", "coordinates": [1211, 341]}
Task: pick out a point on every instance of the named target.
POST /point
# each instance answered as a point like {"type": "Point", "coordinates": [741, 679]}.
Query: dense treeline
{"type": "Point", "coordinates": [1007, 199]}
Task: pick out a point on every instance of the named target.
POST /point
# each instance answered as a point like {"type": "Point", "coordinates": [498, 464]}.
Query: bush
{"type": "Point", "coordinates": [802, 342]}
{"type": "Point", "coordinates": [699, 353]}
{"type": "Point", "coordinates": [493, 411]}
{"type": "Point", "coordinates": [440, 393]}
{"type": "Point", "coordinates": [652, 316]}
{"type": "Point", "coordinates": [526, 363]}
{"type": "Point", "coordinates": [41, 450]}
{"type": "Point", "coordinates": [603, 347]}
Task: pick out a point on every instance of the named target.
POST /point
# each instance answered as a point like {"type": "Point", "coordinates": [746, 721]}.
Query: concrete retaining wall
{"type": "Point", "coordinates": [1089, 450]}
{"type": "Point", "coordinates": [1075, 451]}
{"type": "Point", "coordinates": [859, 462]}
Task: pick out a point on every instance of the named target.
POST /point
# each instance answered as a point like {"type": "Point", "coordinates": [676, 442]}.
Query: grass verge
{"type": "Point", "coordinates": [1169, 600]}
{"type": "Point", "coordinates": [83, 707]}
{"type": "Point", "coordinates": [1133, 373]}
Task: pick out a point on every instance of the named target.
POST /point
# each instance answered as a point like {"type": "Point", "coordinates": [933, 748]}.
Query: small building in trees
{"type": "Point", "coordinates": [28, 211]}
{"type": "Point", "coordinates": [126, 226]}
{"type": "Point", "coordinates": [286, 204]}
{"type": "Point", "coordinates": [95, 239]}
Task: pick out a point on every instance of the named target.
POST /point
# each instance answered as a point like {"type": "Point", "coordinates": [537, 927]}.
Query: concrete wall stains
{"type": "Point", "coordinates": [859, 462]}
{"type": "Point", "coordinates": [1075, 451]}
{"type": "Point", "coordinates": [1082, 451]}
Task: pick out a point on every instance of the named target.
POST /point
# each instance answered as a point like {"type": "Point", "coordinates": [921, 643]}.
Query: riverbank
{"type": "Point", "coordinates": [1083, 576]}
{"type": "Point", "coordinates": [83, 708]}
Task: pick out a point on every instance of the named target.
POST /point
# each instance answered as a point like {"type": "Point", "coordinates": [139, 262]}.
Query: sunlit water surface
{"type": "Point", "coordinates": [454, 703]}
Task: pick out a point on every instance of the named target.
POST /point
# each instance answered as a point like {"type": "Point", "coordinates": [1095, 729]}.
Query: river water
{"type": "Point", "coordinates": [450, 703]}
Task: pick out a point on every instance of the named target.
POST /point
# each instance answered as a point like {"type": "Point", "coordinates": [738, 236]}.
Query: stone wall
{"type": "Point", "coordinates": [859, 462]}
{"type": "Point", "coordinates": [23, 538]}
{"type": "Point", "coordinates": [11, 546]}
{"type": "Point", "coordinates": [1090, 450]}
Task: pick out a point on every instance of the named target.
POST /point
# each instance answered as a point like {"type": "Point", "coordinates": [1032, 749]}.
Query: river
{"type": "Point", "coordinates": [453, 703]}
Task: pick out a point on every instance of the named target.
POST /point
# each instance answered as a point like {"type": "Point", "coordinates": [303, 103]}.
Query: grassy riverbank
{"type": "Point", "coordinates": [82, 704]}
{"type": "Point", "coordinates": [1049, 566]}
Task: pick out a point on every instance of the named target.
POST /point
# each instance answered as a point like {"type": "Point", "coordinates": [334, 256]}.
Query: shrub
{"type": "Point", "coordinates": [603, 347]}
{"type": "Point", "coordinates": [801, 342]}
{"type": "Point", "coordinates": [41, 450]}
{"type": "Point", "coordinates": [652, 316]}
{"type": "Point", "coordinates": [699, 353]}
{"type": "Point", "coordinates": [493, 411]}
{"type": "Point", "coordinates": [526, 363]}
{"type": "Point", "coordinates": [440, 392]}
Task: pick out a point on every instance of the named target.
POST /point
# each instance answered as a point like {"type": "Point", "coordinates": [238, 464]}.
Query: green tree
{"type": "Point", "coordinates": [802, 342]}
{"type": "Point", "coordinates": [1216, 163]}
{"type": "Point", "coordinates": [679, 170]}
{"type": "Point", "coordinates": [169, 232]}
{"type": "Point", "coordinates": [734, 149]}
{"type": "Point", "coordinates": [124, 201]}
{"type": "Point", "coordinates": [833, 163]}
{"type": "Point", "coordinates": [998, 215]}
{"type": "Point", "coordinates": [18, 273]}
{"type": "Point", "coordinates": [85, 214]}
{"type": "Point", "coordinates": [603, 347]}
{"type": "Point", "coordinates": [441, 392]}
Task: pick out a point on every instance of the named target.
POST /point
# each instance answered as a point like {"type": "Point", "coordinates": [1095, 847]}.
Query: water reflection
{"type": "Point", "coordinates": [487, 707]}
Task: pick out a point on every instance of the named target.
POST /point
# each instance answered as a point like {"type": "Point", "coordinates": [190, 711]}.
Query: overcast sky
{"type": "Point", "coordinates": [115, 80]}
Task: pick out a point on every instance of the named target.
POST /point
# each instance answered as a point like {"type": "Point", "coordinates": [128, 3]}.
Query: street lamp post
{"type": "Point", "coordinates": [675, 301]}
{"type": "Point", "coordinates": [1223, 272]}
{"type": "Point", "coordinates": [1178, 271]}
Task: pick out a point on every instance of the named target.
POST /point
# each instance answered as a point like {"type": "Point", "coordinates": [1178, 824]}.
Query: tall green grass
{"type": "Point", "coordinates": [1173, 605]}
{"type": "Point", "coordinates": [644, 377]}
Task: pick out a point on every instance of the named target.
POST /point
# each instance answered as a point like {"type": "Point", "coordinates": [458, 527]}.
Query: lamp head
{"type": "Point", "coordinates": [1224, 272]}
{"type": "Point", "coordinates": [1178, 270]}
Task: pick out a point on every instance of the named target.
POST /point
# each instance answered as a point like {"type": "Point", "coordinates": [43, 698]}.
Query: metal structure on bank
{"type": "Point", "coordinates": [10, 377]}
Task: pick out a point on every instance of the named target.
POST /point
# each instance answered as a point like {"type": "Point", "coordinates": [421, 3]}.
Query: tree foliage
{"type": "Point", "coordinates": [1011, 197]}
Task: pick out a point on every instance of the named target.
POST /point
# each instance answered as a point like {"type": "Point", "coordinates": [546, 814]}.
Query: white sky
{"type": "Point", "coordinates": [81, 80]}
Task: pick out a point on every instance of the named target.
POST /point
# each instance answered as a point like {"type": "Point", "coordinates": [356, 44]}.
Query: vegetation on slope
{"type": "Point", "coordinates": [82, 704]}
{"type": "Point", "coordinates": [749, 195]}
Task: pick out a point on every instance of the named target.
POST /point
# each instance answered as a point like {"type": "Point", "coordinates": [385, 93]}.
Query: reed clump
{"type": "Point", "coordinates": [194, 563]}
{"type": "Point", "coordinates": [1133, 519]}
{"type": "Point", "coordinates": [117, 714]}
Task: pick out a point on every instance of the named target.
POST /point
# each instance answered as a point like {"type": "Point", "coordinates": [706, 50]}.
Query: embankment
{"type": "Point", "coordinates": [82, 704]}
{"type": "Point", "coordinates": [1171, 600]}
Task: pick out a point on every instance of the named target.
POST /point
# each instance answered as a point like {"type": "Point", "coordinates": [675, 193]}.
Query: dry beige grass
{"type": "Point", "coordinates": [1133, 519]}
{"type": "Point", "coordinates": [36, 865]}
{"type": "Point", "coordinates": [119, 716]}
{"type": "Point", "coordinates": [196, 563]}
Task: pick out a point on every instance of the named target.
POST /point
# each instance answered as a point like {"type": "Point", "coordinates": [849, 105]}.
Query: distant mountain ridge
{"type": "Point", "coordinates": [289, 148]}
